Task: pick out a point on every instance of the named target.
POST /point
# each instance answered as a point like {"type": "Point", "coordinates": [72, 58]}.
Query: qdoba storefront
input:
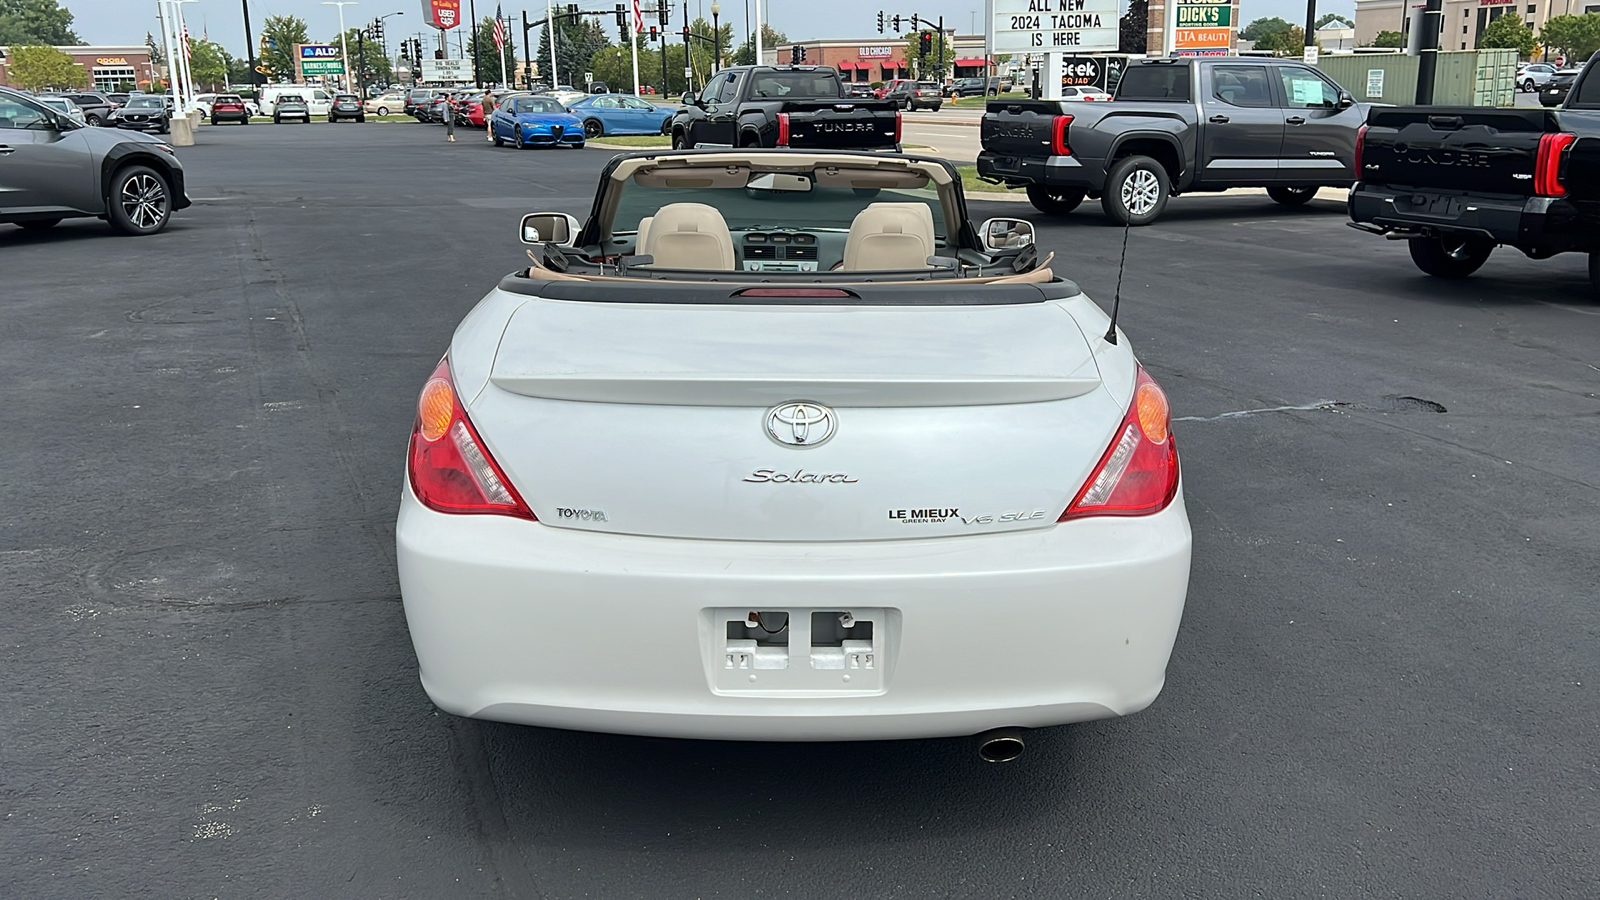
{"type": "Point", "coordinates": [109, 68]}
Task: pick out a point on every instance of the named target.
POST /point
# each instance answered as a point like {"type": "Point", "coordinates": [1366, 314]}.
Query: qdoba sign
{"type": "Point", "coordinates": [1045, 26]}
{"type": "Point", "coordinates": [442, 14]}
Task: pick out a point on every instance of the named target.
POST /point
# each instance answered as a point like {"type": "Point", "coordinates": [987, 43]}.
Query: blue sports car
{"type": "Point", "coordinates": [535, 122]}
{"type": "Point", "coordinates": [604, 114]}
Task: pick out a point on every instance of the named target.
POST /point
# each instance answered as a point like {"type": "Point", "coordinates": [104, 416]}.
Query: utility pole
{"type": "Point", "coordinates": [527, 58]}
{"type": "Point", "coordinates": [477, 76]}
{"type": "Point", "coordinates": [1428, 47]}
{"type": "Point", "coordinates": [1311, 31]}
{"type": "Point", "coordinates": [249, 45]}
{"type": "Point", "coordinates": [550, 25]}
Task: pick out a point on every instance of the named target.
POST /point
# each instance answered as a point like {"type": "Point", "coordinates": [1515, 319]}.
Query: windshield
{"type": "Point", "coordinates": [821, 208]}
{"type": "Point", "coordinates": [537, 105]}
{"type": "Point", "coordinates": [796, 85]}
{"type": "Point", "coordinates": [290, 98]}
{"type": "Point", "coordinates": [144, 103]}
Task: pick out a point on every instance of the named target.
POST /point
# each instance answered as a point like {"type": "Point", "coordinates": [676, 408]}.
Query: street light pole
{"type": "Point", "coordinates": [249, 46]}
{"type": "Point", "coordinates": [344, 43]}
{"type": "Point", "coordinates": [716, 34]}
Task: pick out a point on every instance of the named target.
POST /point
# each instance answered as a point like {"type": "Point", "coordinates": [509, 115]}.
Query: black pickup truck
{"type": "Point", "coordinates": [803, 107]}
{"type": "Point", "coordinates": [1456, 182]}
{"type": "Point", "coordinates": [1177, 126]}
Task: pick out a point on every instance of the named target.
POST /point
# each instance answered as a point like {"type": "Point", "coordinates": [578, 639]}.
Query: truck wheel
{"type": "Point", "coordinates": [678, 142]}
{"type": "Point", "coordinates": [1136, 191]}
{"type": "Point", "coordinates": [1055, 201]}
{"type": "Point", "coordinates": [1292, 196]}
{"type": "Point", "coordinates": [1449, 256]}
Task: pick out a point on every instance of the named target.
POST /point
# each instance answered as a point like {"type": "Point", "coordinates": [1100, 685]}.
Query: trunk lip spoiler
{"type": "Point", "coordinates": [843, 391]}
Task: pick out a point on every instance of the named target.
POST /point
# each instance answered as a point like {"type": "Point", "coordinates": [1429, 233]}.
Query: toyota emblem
{"type": "Point", "coordinates": [801, 424]}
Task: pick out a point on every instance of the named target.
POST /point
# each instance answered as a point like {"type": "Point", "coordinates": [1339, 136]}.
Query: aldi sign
{"type": "Point", "coordinates": [319, 59]}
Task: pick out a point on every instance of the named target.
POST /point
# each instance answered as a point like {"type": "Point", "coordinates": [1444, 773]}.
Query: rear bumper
{"type": "Point", "coordinates": [1537, 224]}
{"type": "Point", "coordinates": [523, 622]}
{"type": "Point", "coordinates": [1054, 171]}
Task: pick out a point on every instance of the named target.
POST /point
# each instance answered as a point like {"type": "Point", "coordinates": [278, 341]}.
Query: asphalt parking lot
{"type": "Point", "coordinates": [1385, 685]}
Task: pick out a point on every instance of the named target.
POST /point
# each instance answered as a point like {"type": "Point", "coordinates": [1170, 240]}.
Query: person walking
{"type": "Point", "coordinates": [449, 115]}
{"type": "Point", "coordinates": [488, 110]}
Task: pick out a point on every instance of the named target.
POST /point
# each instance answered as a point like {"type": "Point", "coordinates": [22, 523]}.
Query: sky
{"type": "Point", "coordinates": [124, 22]}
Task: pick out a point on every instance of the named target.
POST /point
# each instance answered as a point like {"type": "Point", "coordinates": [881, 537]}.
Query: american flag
{"type": "Point", "coordinates": [499, 29]}
{"type": "Point", "coordinates": [638, 17]}
{"type": "Point", "coordinates": [186, 40]}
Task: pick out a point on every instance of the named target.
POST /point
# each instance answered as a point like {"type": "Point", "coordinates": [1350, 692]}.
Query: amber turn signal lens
{"type": "Point", "coordinates": [1154, 416]}
{"type": "Point", "coordinates": [435, 409]}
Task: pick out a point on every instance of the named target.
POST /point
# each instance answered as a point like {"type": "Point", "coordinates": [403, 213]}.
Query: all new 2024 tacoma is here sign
{"type": "Point", "coordinates": [1054, 26]}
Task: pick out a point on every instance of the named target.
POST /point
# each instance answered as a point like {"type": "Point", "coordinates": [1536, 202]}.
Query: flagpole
{"type": "Point", "coordinates": [636, 50]}
{"type": "Point", "coordinates": [500, 20]}
{"type": "Point", "coordinates": [550, 25]}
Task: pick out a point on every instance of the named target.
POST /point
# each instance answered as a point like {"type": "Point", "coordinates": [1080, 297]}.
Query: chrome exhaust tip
{"type": "Point", "coordinates": [1002, 745]}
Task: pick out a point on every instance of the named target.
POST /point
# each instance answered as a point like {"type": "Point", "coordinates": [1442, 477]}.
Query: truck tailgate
{"type": "Point", "coordinates": [1476, 149]}
{"type": "Point", "coordinates": [1014, 128]}
{"type": "Point", "coordinates": [842, 125]}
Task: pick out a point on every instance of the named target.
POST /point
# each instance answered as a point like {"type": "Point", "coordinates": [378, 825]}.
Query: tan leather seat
{"type": "Point", "coordinates": [643, 234]}
{"type": "Point", "coordinates": [890, 236]}
{"type": "Point", "coordinates": [689, 236]}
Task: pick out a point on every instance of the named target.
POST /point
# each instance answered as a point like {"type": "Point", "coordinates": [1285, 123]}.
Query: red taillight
{"type": "Point", "coordinates": [1138, 474]}
{"type": "Point", "coordinates": [783, 129]}
{"type": "Point", "coordinates": [1058, 136]}
{"type": "Point", "coordinates": [451, 471]}
{"type": "Point", "coordinates": [1361, 147]}
{"type": "Point", "coordinates": [1547, 170]}
{"type": "Point", "coordinates": [899, 122]}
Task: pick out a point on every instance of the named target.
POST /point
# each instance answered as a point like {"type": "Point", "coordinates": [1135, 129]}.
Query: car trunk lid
{"type": "Point", "coordinates": [658, 419]}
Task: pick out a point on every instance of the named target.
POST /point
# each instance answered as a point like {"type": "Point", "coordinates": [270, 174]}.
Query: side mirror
{"type": "Point", "coordinates": [690, 98]}
{"type": "Point", "coordinates": [1345, 100]}
{"type": "Point", "coordinates": [1006, 235]}
{"type": "Point", "coordinates": [552, 227]}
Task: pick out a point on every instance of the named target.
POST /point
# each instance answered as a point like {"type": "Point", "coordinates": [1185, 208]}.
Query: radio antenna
{"type": "Point", "coordinates": [1116, 302]}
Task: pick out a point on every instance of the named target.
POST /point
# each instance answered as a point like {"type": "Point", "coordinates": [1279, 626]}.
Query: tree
{"type": "Point", "coordinates": [1260, 30]}
{"type": "Point", "coordinates": [208, 64]}
{"type": "Point", "coordinates": [1578, 37]}
{"type": "Point", "coordinates": [482, 50]}
{"type": "Point", "coordinates": [45, 68]}
{"type": "Point", "coordinates": [278, 36]}
{"type": "Point", "coordinates": [157, 56]}
{"type": "Point", "coordinates": [1388, 39]}
{"type": "Point", "coordinates": [1508, 32]}
{"type": "Point", "coordinates": [770, 38]}
{"type": "Point", "coordinates": [1327, 19]}
{"type": "Point", "coordinates": [577, 41]}
{"type": "Point", "coordinates": [367, 58]}
{"type": "Point", "coordinates": [238, 70]}
{"type": "Point", "coordinates": [1132, 29]}
{"type": "Point", "coordinates": [933, 66]}
{"type": "Point", "coordinates": [35, 22]}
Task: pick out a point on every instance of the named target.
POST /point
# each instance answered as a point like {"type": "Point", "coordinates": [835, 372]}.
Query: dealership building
{"type": "Point", "coordinates": [880, 59]}
{"type": "Point", "coordinates": [109, 68]}
{"type": "Point", "coordinates": [1461, 21]}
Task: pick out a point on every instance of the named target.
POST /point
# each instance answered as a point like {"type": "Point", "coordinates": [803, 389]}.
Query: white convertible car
{"type": "Point", "coordinates": [781, 446]}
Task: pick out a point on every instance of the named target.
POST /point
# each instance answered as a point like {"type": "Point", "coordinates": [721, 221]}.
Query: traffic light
{"type": "Point", "coordinates": [664, 13]}
{"type": "Point", "coordinates": [915, 22]}
{"type": "Point", "coordinates": [653, 35]}
{"type": "Point", "coordinates": [622, 19]}
{"type": "Point", "coordinates": [880, 21]}
{"type": "Point", "coordinates": [926, 43]}
{"type": "Point", "coordinates": [896, 24]}
{"type": "Point", "coordinates": [572, 12]}
{"type": "Point", "coordinates": [794, 55]}
{"type": "Point", "coordinates": [377, 29]}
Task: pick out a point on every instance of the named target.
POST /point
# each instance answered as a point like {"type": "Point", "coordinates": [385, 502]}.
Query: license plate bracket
{"type": "Point", "coordinates": [797, 651]}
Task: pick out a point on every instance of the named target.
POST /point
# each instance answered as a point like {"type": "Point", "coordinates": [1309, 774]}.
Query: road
{"type": "Point", "coordinates": [1385, 685]}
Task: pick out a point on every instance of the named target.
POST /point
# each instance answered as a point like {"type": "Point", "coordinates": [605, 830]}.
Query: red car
{"type": "Point", "coordinates": [472, 111]}
{"type": "Point", "coordinates": [229, 108]}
